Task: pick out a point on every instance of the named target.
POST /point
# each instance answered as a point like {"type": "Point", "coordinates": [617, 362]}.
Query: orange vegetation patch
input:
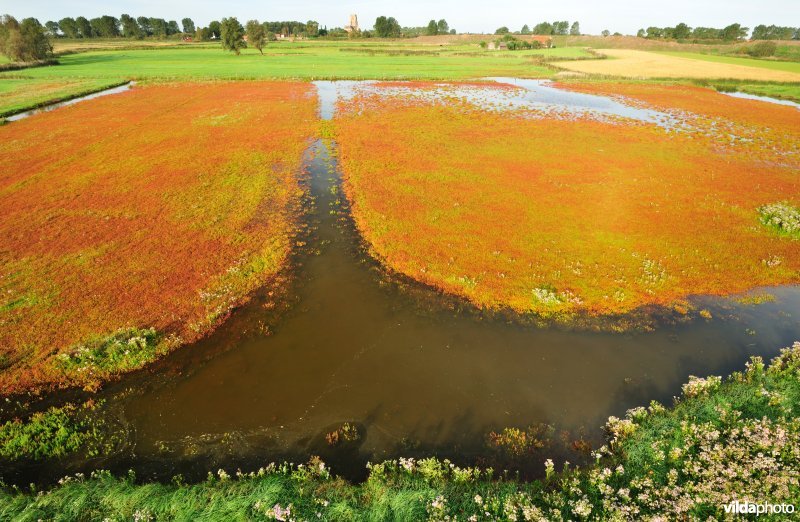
{"type": "Point", "coordinates": [162, 207]}
{"type": "Point", "coordinates": [554, 217]}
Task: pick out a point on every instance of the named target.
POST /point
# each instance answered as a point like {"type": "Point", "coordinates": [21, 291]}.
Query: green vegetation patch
{"type": "Point", "coordinates": [54, 433]}
{"type": "Point", "coordinates": [21, 94]}
{"type": "Point", "coordinates": [781, 217]}
{"type": "Point", "coordinates": [124, 350]}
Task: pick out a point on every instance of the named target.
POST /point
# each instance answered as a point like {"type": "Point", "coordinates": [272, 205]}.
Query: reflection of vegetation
{"type": "Point", "coordinates": [723, 441]}
{"type": "Point", "coordinates": [56, 432]}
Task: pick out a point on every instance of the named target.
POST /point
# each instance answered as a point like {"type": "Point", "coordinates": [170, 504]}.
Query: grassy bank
{"type": "Point", "coordinates": [22, 94]}
{"type": "Point", "coordinates": [723, 441]}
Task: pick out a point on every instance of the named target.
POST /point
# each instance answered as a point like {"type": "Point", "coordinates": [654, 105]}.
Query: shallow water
{"type": "Point", "coordinates": [538, 97]}
{"type": "Point", "coordinates": [762, 98]}
{"type": "Point", "coordinates": [53, 106]}
{"type": "Point", "coordinates": [417, 375]}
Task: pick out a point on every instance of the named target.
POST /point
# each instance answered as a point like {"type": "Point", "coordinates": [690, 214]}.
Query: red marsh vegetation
{"type": "Point", "coordinates": [133, 223]}
{"type": "Point", "coordinates": [556, 216]}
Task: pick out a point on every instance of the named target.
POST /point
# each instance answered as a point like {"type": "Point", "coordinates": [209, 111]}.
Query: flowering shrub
{"type": "Point", "coordinates": [783, 217]}
{"type": "Point", "coordinates": [125, 349]}
{"type": "Point", "coordinates": [698, 386]}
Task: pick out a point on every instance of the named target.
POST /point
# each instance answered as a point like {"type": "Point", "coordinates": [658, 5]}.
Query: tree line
{"type": "Point", "coordinates": [545, 28]}
{"type": "Point", "coordinates": [732, 32]}
{"type": "Point", "coordinates": [127, 26]}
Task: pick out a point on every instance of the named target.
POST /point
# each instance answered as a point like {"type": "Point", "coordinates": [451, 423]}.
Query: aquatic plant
{"type": "Point", "coordinates": [347, 432]}
{"type": "Point", "coordinates": [564, 214]}
{"type": "Point", "coordinates": [56, 432]}
{"type": "Point", "coordinates": [111, 221]}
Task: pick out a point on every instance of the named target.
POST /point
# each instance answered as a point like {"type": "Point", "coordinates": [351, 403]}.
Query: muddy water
{"type": "Point", "coordinates": [415, 373]}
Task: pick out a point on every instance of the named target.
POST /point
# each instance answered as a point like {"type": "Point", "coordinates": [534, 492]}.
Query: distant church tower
{"type": "Point", "coordinates": [352, 27]}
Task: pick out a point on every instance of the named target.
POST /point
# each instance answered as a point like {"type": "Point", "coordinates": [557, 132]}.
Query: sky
{"type": "Point", "coordinates": [476, 16]}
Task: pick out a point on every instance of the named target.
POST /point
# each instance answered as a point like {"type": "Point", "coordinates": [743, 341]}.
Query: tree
{"type": "Point", "coordinates": [773, 32]}
{"type": "Point", "coordinates": [202, 34]}
{"type": "Point", "coordinates": [105, 26]}
{"type": "Point", "coordinates": [432, 29]}
{"type": "Point", "coordinates": [734, 32]}
{"type": "Point", "coordinates": [641, 33]}
{"type": "Point", "coordinates": [172, 27]}
{"type": "Point", "coordinates": [655, 32]}
{"type": "Point", "coordinates": [256, 35]}
{"type": "Point", "coordinates": [69, 28]}
{"type": "Point", "coordinates": [232, 35]}
{"type": "Point", "coordinates": [443, 27]}
{"type": "Point", "coordinates": [561, 27]}
{"type": "Point", "coordinates": [145, 27]}
{"type": "Point", "coordinates": [543, 28]}
{"type": "Point", "coordinates": [387, 27]}
{"type": "Point", "coordinates": [23, 42]}
{"type": "Point", "coordinates": [188, 25]}
{"type": "Point", "coordinates": [159, 27]}
{"type": "Point", "coordinates": [606, 32]}
{"type": "Point", "coordinates": [84, 27]}
{"type": "Point", "coordinates": [575, 30]}
{"type": "Point", "coordinates": [312, 28]}
{"type": "Point", "coordinates": [214, 28]}
{"type": "Point", "coordinates": [52, 29]}
{"type": "Point", "coordinates": [130, 29]}
{"type": "Point", "coordinates": [525, 29]}
{"type": "Point", "coordinates": [681, 31]}
{"type": "Point", "coordinates": [502, 30]}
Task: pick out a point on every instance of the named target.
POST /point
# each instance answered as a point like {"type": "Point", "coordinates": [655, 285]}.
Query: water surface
{"type": "Point", "coordinates": [417, 373]}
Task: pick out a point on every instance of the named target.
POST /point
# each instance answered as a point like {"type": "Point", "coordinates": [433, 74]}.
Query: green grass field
{"type": "Point", "coordinates": [287, 61]}
{"type": "Point", "coordinates": [94, 70]}
{"type": "Point", "coordinates": [750, 62]}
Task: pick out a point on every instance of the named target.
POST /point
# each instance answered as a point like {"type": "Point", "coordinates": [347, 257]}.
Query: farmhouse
{"type": "Point", "coordinates": [544, 40]}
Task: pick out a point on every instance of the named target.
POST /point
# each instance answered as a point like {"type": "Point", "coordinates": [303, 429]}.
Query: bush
{"type": "Point", "coordinates": [762, 49]}
{"type": "Point", "coordinates": [125, 349]}
{"type": "Point", "coordinates": [54, 433]}
{"type": "Point", "coordinates": [782, 217]}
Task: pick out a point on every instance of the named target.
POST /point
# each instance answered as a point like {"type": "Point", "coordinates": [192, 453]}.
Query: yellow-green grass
{"type": "Point", "coordinates": [774, 65]}
{"type": "Point", "coordinates": [20, 94]}
{"type": "Point", "coordinates": [627, 63]}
